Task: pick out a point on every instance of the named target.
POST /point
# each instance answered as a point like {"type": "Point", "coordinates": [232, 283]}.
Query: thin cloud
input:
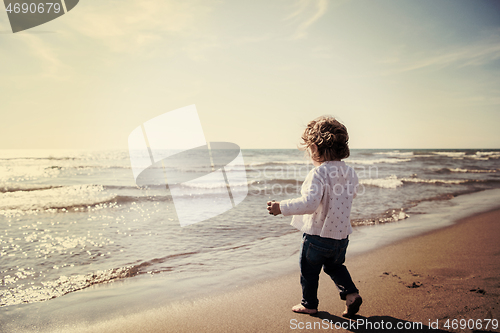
{"type": "Point", "coordinates": [307, 12]}
{"type": "Point", "coordinates": [141, 28]}
{"type": "Point", "coordinates": [50, 65]}
{"type": "Point", "coordinates": [131, 24]}
{"type": "Point", "coordinates": [476, 54]}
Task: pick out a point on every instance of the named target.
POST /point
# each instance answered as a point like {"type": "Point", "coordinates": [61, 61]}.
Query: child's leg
{"type": "Point", "coordinates": [338, 272]}
{"type": "Point", "coordinates": [340, 275]}
{"type": "Point", "coordinates": [309, 277]}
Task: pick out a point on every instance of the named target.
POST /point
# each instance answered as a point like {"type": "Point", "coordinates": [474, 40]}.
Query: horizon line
{"type": "Point", "coordinates": [102, 149]}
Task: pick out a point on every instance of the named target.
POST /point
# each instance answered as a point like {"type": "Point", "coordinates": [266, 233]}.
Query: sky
{"type": "Point", "coordinates": [397, 73]}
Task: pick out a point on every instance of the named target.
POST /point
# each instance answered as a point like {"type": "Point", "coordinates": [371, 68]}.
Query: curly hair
{"type": "Point", "coordinates": [330, 136]}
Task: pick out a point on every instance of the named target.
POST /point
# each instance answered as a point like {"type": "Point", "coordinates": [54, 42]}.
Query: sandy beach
{"type": "Point", "coordinates": [142, 141]}
{"type": "Point", "coordinates": [438, 278]}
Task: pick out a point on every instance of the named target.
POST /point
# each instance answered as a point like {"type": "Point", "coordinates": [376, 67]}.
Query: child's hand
{"type": "Point", "coordinates": [273, 207]}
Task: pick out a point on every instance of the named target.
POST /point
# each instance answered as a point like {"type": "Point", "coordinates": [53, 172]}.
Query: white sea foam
{"type": "Point", "coordinates": [491, 154]}
{"type": "Point", "coordinates": [61, 197]}
{"type": "Point", "coordinates": [435, 181]}
{"type": "Point", "coordinates": [379, 160]}
{"type": "Point", "coordinates": [13, 187]}
{"type": "Point", "coordinates": [396, 153]}
{"type": "Point", "coordinates": [424, 155]}
{"type": "Point", "coordinates": [22, 173]}
{"type": "Point", "coordinates": [59, 287]}
{"type": "Point", "coordinates": [278, 163]}
{"type": "Point", "coordinates": [388, 182]}
{"type": "Point", "coordinates": [394, 182]}
{"type": "Point", "coordinates": [478, 156]}
{"type": "Point", "coordinates": [459, 170]}
{"type": "Point", "coordinates": [213, 185]}
{"type": "Point", "coordinates": [450, 153]}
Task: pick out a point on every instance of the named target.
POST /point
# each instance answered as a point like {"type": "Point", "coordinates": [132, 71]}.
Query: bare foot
{"type": "Point", "coordinates": [353, 302]}
{"type": "Point", "coordinates": [299, 308]}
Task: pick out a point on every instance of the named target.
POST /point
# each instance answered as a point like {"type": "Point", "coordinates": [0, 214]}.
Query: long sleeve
{"type": "Point", "coordinates": [312, 193]}
{"type": "Point", "coordinates": [324, 207]}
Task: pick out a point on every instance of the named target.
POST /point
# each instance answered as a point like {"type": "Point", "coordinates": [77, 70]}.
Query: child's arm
{"type": "Point", "coordinates": [312, 193]}
{"type": "Point", "coordinates": [273, 207]}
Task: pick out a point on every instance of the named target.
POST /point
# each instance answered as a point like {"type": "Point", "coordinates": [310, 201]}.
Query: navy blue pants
{"type": "Point", "coordinates": [318, 252]}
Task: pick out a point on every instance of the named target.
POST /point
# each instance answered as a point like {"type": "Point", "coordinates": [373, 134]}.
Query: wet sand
{"type": "Point", "coordinates": [444, 275]}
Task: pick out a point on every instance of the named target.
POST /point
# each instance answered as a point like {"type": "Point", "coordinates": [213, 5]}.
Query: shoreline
{"type": "Point", "coordinates": [451, 273]}
{"type": "Point", "coordinates": [434, 276]}
{"type": "Point", "coordinates": [109, 295]}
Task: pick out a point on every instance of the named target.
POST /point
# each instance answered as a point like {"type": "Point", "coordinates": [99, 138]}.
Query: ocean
{"type": "Point", "coordinates": [74, 219]}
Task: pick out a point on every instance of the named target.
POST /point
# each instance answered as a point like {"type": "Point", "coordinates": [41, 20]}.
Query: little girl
{"type": "Point", "coordinates": [322, 213]}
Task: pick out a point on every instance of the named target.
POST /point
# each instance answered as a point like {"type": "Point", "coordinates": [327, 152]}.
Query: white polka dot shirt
{"type": "Point", "coordinates": [324, 208]}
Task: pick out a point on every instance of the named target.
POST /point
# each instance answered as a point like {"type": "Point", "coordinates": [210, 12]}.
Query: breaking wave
{"type": "Point", "coordinates": [377, 161]}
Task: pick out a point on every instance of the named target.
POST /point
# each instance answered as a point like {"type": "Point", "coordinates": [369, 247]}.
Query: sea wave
{"type": "Point", "coordinates": [66, 284]}
{"type": "Point", "coordinates": [460, 170]}
{"type": "Point", "coordinates": [390, 215]}
{"type": "Point", "coordinates": [490, 154]}
{"type": "Point", "coordinates": [49, 158]}
{"type": "Point", "coordinates": [440, 181]}
{"type": "Point", "coordinates": [62, 286]}
{"type": "Point", "coordinates": [452, 154]}
{"type": "Point", "coordinates": [87, 167]}
{"type": "Point", "coordinates": [379, 160]}
{"type": "Point", "coordinates": [396, 153]}
{"type": "Point", "coordinates": [5, 188]}
{"type": "Point", "coordinates": [422, 155]}
{"type": "Point", "coordinates": [213, 185]}
{"type": "Point", "coordinates": [394, 182]}
{"type": "Point", "coordinates": [64, 199]}
{"type": "Point", "coordinates": [388, 182]}
{"type": "Point", "coordinates": [61, 155]}
{"type": "Point", "coordinates": [280, 181]}
{"type": "Point", "coordinates": [478, 156]}
{"type": "Point", "coordinates": [55, 198]}
{"type": "Point", "coordinates": [279, 163]}
{"type": "Point", "coordinates": [25, 173]}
